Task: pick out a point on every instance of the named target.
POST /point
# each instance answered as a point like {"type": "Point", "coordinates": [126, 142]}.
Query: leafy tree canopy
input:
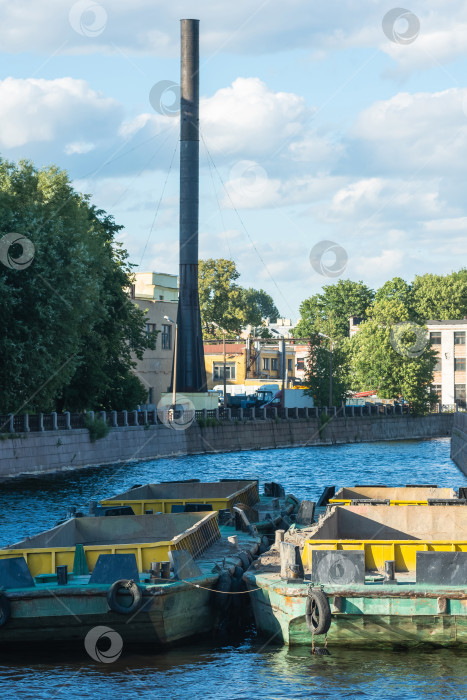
{"type": "Point", "coordinates": [262, 300]}
{"type": "Point", "coordinates": [329, 311]}
{"type": "Point", "coordinates": [226, 303]}
{"type": "Point", "coordinates": [441, 297]}
{"type": "Point", "coordinates": [390, 354]}
{"type": "Point", "coordinates": [396, 289]}
{"type": "Point", "coordinates": [320, 363]}
{"type": "Point", "coordinates": [68, 327]}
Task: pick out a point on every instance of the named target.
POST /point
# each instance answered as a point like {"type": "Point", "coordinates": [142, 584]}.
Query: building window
{"type": "Point", "coordinates": [300, 364]}
{"type": "Point", "coordinates": [289, 366]}
{"type": "Point", "coordinates": [166, 337]}
{"type": "Point", "coordinates": [274, 364]}
{"type": "Point", "coordinates": [436, 389]}
{"type": "Point", "coordinates": [437, 367]}
{"type": "Point", "coordinates": [150, 395]}
{"type": "Point", "coordinates": [435, 338]}
{"type": "Point", "coordinates": [218, 371]}
{"type": "Point", "coordinates": [265, 362]}
{"type": "Point", "coordinates": [459, 337]}
{"type": "Point", "coordinates": [459, 364]}
{"type": "Point", "coordinates": [150, 328]}
{"type": "Point", "coordinates": [459, 395]}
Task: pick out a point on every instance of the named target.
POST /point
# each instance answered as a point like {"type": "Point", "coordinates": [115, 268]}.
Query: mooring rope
{"type": "Point", "coordinates": [214, 590]}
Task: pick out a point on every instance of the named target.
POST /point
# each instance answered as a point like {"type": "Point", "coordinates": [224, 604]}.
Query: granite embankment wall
{"type": "Point", "coordinates": [459, 441]}
{"type": "Point", "coordinates": [50, 451]}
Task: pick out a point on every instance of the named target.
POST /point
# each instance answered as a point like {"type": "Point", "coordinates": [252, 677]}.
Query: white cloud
{"type": "Point", "coordinates": [152, 28]}
{"type": "Point", "coordinates": [316, 150]}
{"type": "Point", "coordinates": [422, 133]}
{"type": "Point", "coordinates": [455, 225]}
{"type": "Point", "coordinates": [79, 147]}
{"type": "Point", "coordinates": [382, 266]}
{"type": "Point", "coordinates": [37, 110]}
{"type": "Point", "coordinates": [249, 117]}
{"type": "Point", "coordinates": [369, 202]}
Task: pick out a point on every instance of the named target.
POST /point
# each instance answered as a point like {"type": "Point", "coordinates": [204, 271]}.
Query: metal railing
{"type": "Point", "coordinates": [43, 422]}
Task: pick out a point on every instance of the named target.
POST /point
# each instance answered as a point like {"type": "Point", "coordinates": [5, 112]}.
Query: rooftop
{"type": "Point", "coordinates": [453, 322]}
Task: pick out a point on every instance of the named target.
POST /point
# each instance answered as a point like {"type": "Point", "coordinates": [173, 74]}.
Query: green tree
{"type": "Point", "coordinates": [390, 354]}
{"type": "Point", "coordinates": [225, 302]}
{"type": "Point", "coordinates": [67, 324]}
{"type": "Point", "coordinates": [441, 297]}
{"type": "Point", "coordinates": [258, 298]}
{"type": "Point", "coordinates": [319, 366]}
{"type": "Point", "coordinates": [396, 289]}
{"type": "Point", "coordinates": [330, 310]}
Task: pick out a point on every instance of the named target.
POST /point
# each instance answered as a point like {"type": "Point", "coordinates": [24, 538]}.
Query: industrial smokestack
{"type": "Point", "coordinates": [191, 372]}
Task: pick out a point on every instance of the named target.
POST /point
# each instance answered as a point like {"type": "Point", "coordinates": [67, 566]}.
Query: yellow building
{"type": "Point", "coordinates": [257, 364]}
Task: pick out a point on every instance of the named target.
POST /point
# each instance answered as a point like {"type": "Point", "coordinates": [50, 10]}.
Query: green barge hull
{"type": "Point", "coordinates": [65, 614]}
{"type": "Point", "coordinates": [403, 615]}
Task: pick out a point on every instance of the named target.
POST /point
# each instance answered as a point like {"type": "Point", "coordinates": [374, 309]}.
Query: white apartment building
{"type": "Point", "coordinates": [156, 293]}
{"type": "Point", "coordinates": [448, 339]}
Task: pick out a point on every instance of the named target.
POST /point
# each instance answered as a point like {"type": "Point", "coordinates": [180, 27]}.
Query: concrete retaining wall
{"type": "Point", "coordinates": [33, 453]}
{"type": "Point", "coordinates": [459, 441]}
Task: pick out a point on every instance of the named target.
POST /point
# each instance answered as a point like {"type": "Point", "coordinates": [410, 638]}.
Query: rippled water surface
{"type": "Point", "coordinates": [246, 668]}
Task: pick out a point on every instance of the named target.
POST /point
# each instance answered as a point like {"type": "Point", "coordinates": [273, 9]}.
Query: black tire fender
{"type": "Point", "coordinates": [132, 588]}
{"type": "Point", "coordinates": [5, 609]}
{"type": "Point", "coordinates": [318, 612]}
{"type": "Point", "coordinates": [245, 560]}
{"type": "Point", "coordinates": [224, 585]}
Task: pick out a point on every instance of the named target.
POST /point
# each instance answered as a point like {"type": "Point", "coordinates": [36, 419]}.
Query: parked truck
{"type": "Point", "coordinates": [261, 396]}
{"type": "Point", "coordinates": [293, 398]}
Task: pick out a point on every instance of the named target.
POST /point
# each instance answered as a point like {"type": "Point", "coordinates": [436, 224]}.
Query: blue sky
{"type": "Point", "coordinates": [325, 121]}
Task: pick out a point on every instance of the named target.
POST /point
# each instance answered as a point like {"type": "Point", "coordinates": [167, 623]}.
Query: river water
{"type": "Point", "coordinates": [245, 667]}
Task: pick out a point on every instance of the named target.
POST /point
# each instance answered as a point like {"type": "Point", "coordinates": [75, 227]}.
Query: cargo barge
{"type": "Point", "coordinates": [157, 579]}
{"type": "Point", "coordinates": [367, 576]}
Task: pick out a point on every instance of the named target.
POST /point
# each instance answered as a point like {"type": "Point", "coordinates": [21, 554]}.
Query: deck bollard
{"type": "Point", "coordinates": [291, 565]}
{"type": "Point", "coordinates": [279, 537]}
{"type": "Point", "coordinates": [155, 570]}
{"type": "Point", "coordinates": [389, 571]}
{"type": "Point", "coordinates": [165, 569]}
{"type": "Point", "coordinates": [62, 575]}
{"type": "Point", "coordinates": [233, 539]}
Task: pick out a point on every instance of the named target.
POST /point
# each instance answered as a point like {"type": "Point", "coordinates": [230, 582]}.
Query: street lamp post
{"type": "Point", "coordinates": [174, 396]}
{"type": "Point", "coordinates": [323, 335]}
{"type": "Point", "coordinates": [225, 360]}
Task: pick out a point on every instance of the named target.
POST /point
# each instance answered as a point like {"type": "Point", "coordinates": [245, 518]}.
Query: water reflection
{"type": "Point", "coordinates": [346, 673]}
{"type": "Point", "coordinates": [244, 670]}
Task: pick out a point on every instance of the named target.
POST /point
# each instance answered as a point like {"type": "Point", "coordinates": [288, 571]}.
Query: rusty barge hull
{"type": "Point", "coordinates": [385, 617]}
